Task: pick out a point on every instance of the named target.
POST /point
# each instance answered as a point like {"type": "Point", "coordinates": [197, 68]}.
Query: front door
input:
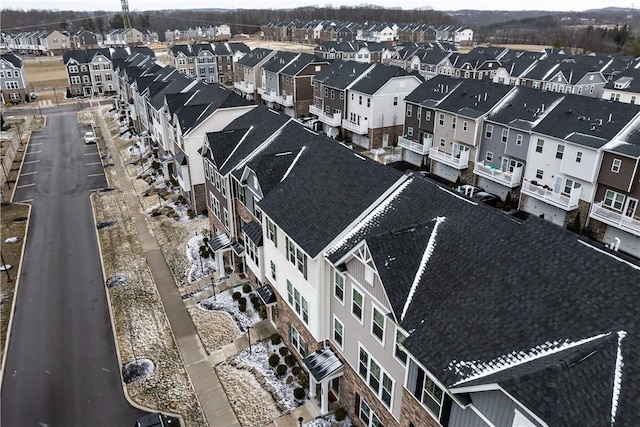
{"type": "Point", "coordinates": [504, 166]}
{"type": "Point", "coordinates": [558, 186]}
{"type": "Point", "coordinates": [630, 208]}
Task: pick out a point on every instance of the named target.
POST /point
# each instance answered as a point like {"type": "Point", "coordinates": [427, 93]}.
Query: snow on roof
{"type": "Point", "coordinates": [378, 211]}
{"type": "Point", "coordinates": [617, 378]}
{"type": "Point", "coordinates": [622, 138]}
{"type": "Point", "coordinates": [481, 369]}
{"type": "Point", "coordinates": [423, 265]}
{"type": "Point", "coordinates": [505, 101]}
{"type": "Point", "coordinates": [292, 164]}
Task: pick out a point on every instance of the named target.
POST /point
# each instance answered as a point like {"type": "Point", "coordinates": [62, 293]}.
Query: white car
{"type": "Point", "coordinates": [89, 137]}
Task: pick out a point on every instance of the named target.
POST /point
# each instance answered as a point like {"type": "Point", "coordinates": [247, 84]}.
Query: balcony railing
{"type": "Point", "coordinates": [244, 87]}
{"type": "Point", "coordinates": [268, 95]}
{"type": "Point", "coordinates": [615, 219]}
{"type": "Point", "coordinates": [417, 147]}
{"type": "Point", "coordinates": [333, 120]}
{"type": "Point", "coordinates": [459, 161]}
{"type": "Point", "coordinates": [509, 179]}
{"type": "Point", "coordinates": [359, 128]}
{"type": "Point", "coordinates": [285, 100]}
{"type": "Point", "coordinates": [560, 200]}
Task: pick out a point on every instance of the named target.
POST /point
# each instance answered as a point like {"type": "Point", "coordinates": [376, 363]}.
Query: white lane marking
{"type": "Point", "coordinates": [33, 152]}
{"type": "Point", "coordinates": [91, 154]}
{"type": "Point", "coordinates": [32, 144]}
{"type": "Point", "coordinates": [32, 161]}
{"type": "Point", "coordinates": [26, 201]}
{"type": "Point", "coordinates": [28, 173]}
{"type": "Point", "coordinates": [93, 163]}
{"type": "Point", "coordinates": [25, 185]}
{"type": "Point", "coordinates": [95, 174]}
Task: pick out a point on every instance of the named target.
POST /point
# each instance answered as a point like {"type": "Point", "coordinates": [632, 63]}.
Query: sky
{"type": "Point", "coordinates": [440, 5]}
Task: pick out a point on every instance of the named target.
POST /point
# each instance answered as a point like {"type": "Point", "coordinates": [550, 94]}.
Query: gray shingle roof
{"type": "Point", "coordinates": [376, 77]}
{"type": "Point", "coordinates": [341, 74]}
{"type": "Point", "coordinates": [474, 98]}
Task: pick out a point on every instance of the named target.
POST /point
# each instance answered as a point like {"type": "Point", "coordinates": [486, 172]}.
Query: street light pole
{"type": "Point", "coordinates": [249, 336]}
{"type": "Point", "coordinates": [300, 419]}
{"type": "Point", "coordinates": [213, 285]}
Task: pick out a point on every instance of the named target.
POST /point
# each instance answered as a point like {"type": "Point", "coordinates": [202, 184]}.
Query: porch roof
{"type": "Point", "coordinates": [322, 363]}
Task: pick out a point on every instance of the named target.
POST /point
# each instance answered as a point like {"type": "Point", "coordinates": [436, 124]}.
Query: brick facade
{"type": "Point", "coordinates": [375, 135]}
{"type": "Point", "coordinates": [351, 384]}
{"type": "Point", "coordinates": [413, 412]}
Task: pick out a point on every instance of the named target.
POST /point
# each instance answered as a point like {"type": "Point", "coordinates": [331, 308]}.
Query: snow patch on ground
{"type": "Point", "coordinates": [200, 267]}
{"type": "Point", "coordinates": [12, 240]}
{"type": "Point", "coordinates": [329, 421]}
{"type": "Point", "coordinates": [225, 302]}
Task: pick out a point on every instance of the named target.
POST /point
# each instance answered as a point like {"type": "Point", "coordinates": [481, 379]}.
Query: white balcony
{"type": "Point", "coordinates": [506, 178]}
{"type": "Point", "coordinates": [459, 161]}
{"type": "Point", "coordinates": [268, 95]}
{"type": "Point", "coordinates": [285, 100]}
{"type": "Point", "coordinates": [616, 219]}
{"type": "Point", "coordinates": [244, 87]}
{"type": "Point", "coordinates": [359, 128]}
{"type": "Point", "coordinates": [417, 147]}
{"type": "Point", "coordinates": [333, 120]}
{"type": "Point", "coordinates": [563, 201]}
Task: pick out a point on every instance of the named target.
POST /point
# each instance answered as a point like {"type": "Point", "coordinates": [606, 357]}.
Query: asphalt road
{"type": "Point", "coordinates": [61, 367]}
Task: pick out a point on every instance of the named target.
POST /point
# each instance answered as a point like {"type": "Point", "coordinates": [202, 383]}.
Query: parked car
{"type": "Point", "coordinates": [154, 420]}
{"type": "Point", "coordinates": [89, 137]}
{"type": "Point", "coordinates": [487, 198]}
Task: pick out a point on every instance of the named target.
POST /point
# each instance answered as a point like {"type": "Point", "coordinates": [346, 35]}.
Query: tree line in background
{"type": "Point", "coordinates": [607, 30]}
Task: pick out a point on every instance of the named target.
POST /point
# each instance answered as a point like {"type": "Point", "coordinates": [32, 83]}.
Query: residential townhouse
{"type": "Point", "coordinates": [624, 86]}
{"type": "Point", "coordinates": [209, 62]}
{"type": "Point", "coordinates": [83, 39]}
{"type": "Point", "coordinates": [366, 52]}
{"type": "Point", "coordinates": [505, 139]}
{"type": "Point", "coordinates": [388, 322]}
{"type": "Point", "coordinates": [248, 72]}
{"type": "Point", "coordinates": [41, 42]}
{"type": "Point", "coordinates": [614, 217]}
{"type": "Point", "coordinates": [420, 118]}
{"type": "Point", "coordinates": [182, 58]}
{"type": "Point", "coordinates": [123, 37]}
{"type": "Point", "coordinates": [513, 65]}
{"type": "Point", "coordinates": [233, 192]}
{"type": "Point", "coordinates": [13, 82]}
{"type": "Point", "coordinates": [286, 82]}
{"type": "Point", "coordinates": [459, 121]}
{"type": "Point", "coordinates": [373, 117]}
{"type": "Point", "coordinates": [204, 108]}
{"type": "Point", "coordinates": [92, 72]}
{"type": "Point", "coordinates": [565, 154]}
{"type": "Point", "coordinates": [330, 94]}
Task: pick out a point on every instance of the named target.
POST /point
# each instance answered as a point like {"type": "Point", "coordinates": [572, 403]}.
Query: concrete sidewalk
{"type": "Point", "coordinates": [213, 400]}
{"type": "Point", "coordinates": [200, 365]}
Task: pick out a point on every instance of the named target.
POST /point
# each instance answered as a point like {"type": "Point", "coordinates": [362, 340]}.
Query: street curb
{"type": "Point", "coordinates": [113, 329]}
{"type": "Point", "coordinates": [15, 296]}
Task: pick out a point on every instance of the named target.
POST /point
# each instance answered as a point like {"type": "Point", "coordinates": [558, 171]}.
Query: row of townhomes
{"type": "Point", "coordinates": [13, 82]}
{"type": "Point", "coordinates": [220, 32]}
{"type": "Point", "coordinates": [557, 155]}
{"type": "Point", "coordinates": [207, 61]}
{"type": "Point", "coordinates": [407, 303]}
{"type": "Point", "coordinates": [57, 42]}
{"type": "Point", "coordinates": [319, 31]}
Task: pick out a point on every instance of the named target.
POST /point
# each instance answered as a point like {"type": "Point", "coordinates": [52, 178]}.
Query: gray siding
{"type": "Point", "coordinates": [494, 405]}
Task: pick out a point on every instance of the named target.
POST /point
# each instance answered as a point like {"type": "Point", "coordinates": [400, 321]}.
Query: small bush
{"type": "Point", "coordinates": [263, 312]}
{"type": "Point", "coordinates": [303, 379]}
{"type": "Point", "coordinates": [289, 380]}
{"type": "Point", "coordinates": [242, 301]}
{"type": "Point", "coordinates": [274, 360]}
{"type": "Point", "coordinates": [283, 351]}
{"type": "Point", "coordinates": [191, 214]}
{"type": "Point", "coordinates": [246, 288]}
{"type": "Point", "coordinates": [236, 295]}
{"type": "Point", "coordinates": [340, 414]}
{"type": "Point", "coordinates": [298, 393]}
{"type": "Point", "coordinates": [296, 370]}
{"type": "Point", "coordinates": [290, 359]}
{"type": "Point", "coordinates": [276, 339]}
{"type": "Point", "coordinates": [281, 370]}
{"type": "Point", "coordinates": [242, 307]}
{"type": "Point", "coordinates": [255, 300]}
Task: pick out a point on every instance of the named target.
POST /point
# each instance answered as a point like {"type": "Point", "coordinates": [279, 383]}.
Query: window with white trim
{"type": "Point", "coordinates": [377, 324]}
{"type": "Point", "coordinates": [400, 354]}
{"type": "Point", "coordinates": [273, 271]}
{"type": "Point", "coordinates": [338, 332]}
{"type": "Point", "coordinates": [505, 135]}
{"type": "Point", "coordinates": [409, 110]}
{"type": "Point", "coordinates": [377, 379]}
{"type": "Point", "coordinates": [465, 125]}
{"type": "Point", "coordinates": [539, 146]}
{"type": "Point", "coordinates": [367, 416]}
{"type": "Point", "coordinates": [569, 185]}
{"type": "Point", "coordinates": [216, 207]}
{"type": "Point", "coordinates": [272, 232]}
{"type": "Point", "coordinates": [488, 131]}
{"type": "Point", "coordinates": [441, 119]}
{"type": "Point", "coordinates": [560, 151]}
{"type": "Point", "coordinates": [578, 156]}
{"type": "Point", "coordinates": [427, 115]}
{"type": "Point", "coordinates": [409, 131]}
{"type": "Point", "coordinates": [298, 302]}
{"type": "Point", "coordinates": [297, 257]}
{"type": "Point", "coordinates": [72, 69]}
{"type": "Point", "coordinates": [489, 156]}
{"type": "Point", "coordinates": [425, 389]}
{"type": "Point", "coordinates": [297, 341]}
{"type": "Point", "coordinates": [454, 120]}
{"type": "Point", "coordinates": [539, 173]}
{"type": "Point", "coordinates": [252, 250]}
{"type": "Point", "coordinates": [615, 165]}
{"type": "Point", "coordinates": [518, 139]}
{"type": "Point", "coordinates": [356, 304]}
{"type": "Point", "coordinates": [338, 286]}
{"type": "Point", "coordinates": [613, 200]}
{"type": "Point", "coordinates": [225, 214]}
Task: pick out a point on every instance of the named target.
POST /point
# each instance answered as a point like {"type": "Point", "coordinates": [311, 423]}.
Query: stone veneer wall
{"type": "Point", "coordinates": [200, 198]}
{"type": "Point", "coordinates": [583, 208]}
{"type": "Point", "coordinates": [413, 412]}
{"type": "Point", "coordinates": [350, 384]}
{"type": "Point", "coordinates": [375, 135]}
